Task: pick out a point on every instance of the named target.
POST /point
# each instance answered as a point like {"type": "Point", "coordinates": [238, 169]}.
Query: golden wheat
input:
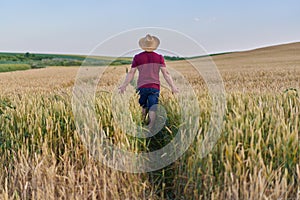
{"type": "Point", "coordinates": [257, 156]}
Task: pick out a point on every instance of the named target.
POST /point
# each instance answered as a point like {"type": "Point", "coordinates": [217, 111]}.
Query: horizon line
{"type": "Point", "coordinates": [210, 53]}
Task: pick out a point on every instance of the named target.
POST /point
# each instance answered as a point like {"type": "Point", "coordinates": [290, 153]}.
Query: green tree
{"type": "Point", "coordinates": [27, 54]}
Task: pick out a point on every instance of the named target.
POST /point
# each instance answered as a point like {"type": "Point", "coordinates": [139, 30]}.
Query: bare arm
{"type": "Point", "coordinates": [169, 79]}
{"type": "Point", "coordinates": [128, 79]}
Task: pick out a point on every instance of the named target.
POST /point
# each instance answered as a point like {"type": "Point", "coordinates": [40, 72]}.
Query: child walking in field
{"type": "Point", "coordinates": [149, 64]}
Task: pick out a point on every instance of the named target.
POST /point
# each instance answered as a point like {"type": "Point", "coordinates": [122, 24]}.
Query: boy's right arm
{"type": "Point", "coordinates": [128, 79]}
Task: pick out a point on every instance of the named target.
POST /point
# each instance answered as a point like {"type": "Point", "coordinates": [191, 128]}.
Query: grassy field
{"type": "Point", "coordinates": [15, 61]}
{"type": "Point", "coordinates": [256, 157]}
{"type": "Point", "coordinates": [13, 67]}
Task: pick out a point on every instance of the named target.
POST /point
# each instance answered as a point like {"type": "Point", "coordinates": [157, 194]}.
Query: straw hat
{"type": "Point", "coordinates": [149, 43]}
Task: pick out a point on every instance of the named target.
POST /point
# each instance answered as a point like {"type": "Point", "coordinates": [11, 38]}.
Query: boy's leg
{"type": "Point", "coordinates": [152, 101]}
{"type": "Point", "coordinates": [152, 115]}
{"type": "Point", "coordinates": [143, 101]}
{"type": "Point", "coordinates": [144, 114]}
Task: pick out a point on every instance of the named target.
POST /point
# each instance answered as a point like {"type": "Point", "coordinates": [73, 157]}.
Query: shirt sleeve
{"type": "Point", "coordinates": [134, 62]}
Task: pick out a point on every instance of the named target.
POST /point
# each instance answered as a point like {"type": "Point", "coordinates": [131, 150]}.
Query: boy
{"type": "Point", "coordinates": [149, 64]}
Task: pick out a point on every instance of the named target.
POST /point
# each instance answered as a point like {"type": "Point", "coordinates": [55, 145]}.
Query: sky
{"type": "Point", "coordinates": [78, 26]}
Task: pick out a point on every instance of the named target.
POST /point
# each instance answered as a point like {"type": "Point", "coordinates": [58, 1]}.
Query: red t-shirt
{"type": "Point", "coordinates": [148, 64]}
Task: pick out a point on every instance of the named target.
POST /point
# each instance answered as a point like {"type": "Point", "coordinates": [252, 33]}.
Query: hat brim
{"type": "Point", "coordinates": [149, 46]}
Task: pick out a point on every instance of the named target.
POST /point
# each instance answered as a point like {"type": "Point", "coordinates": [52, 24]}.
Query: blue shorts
{"type": "Point", "coordinates": [148, 97]}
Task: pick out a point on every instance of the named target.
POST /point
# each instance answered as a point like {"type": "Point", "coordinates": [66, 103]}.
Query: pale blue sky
{"type": "Point", "coordinates": [77, 26]}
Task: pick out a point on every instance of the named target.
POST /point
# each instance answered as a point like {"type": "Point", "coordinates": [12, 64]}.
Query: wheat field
{"type": "Point", "coordinates": [256, 157]}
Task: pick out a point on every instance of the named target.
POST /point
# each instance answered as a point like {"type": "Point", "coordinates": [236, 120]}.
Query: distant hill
{"type": "Point", "coordinates": [271, 56]}
{"type": "Point", "coordinates": [44, 60]}
{"type": "Point", "coordinates": [290, 50]}
{"type": "Point", "coordinates": [278, 53]}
